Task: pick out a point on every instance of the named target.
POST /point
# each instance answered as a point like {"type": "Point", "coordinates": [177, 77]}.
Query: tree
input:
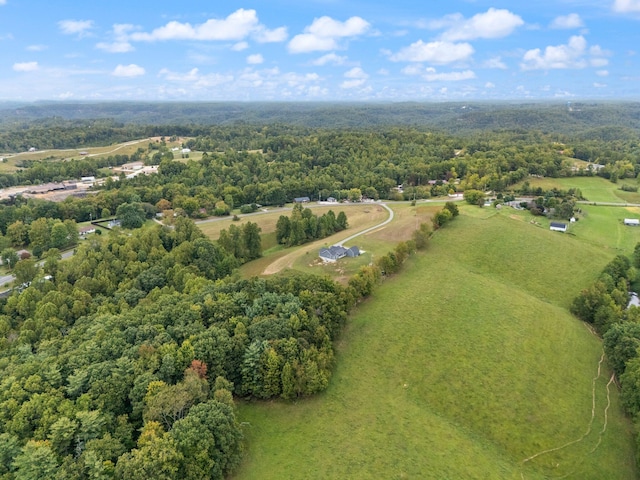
{"type": "Point", "coordinates": [341, 221]}
{"type": "Point", "coordinates": [40, 234]}
{"type": "Point", "coordinates": [210, 441]}
{"type": "Point", "coordinates": [440, 218]}
{"type": "Point", "coordinates": [9, 257]}
{"type": "Point", "coordinates": [453, 208]}
{"type": "Point", "coordinates": [421, 236]}
{"type": "Point", "coordinates": [51, 260]}
{"type": "Point", "coordinates": [157, 457]}
{"type": "Point", "coordinates": [59, 235]}
{"type": "Point", "coordinates": [621, 343]}
{"type": "Point", "coordinates": [473, 197]}
{"type": "Point", "coordinates": [25, 270]}
{"type": "Point", "coordinates": [131, 215]}
{"type": "Point", "coordinates": [252, 240]}
{"type": "Point", "coordinates": [18, 233]}
{"type": "Point", "coordinates": [35, 462]}
{"type": "Point", "coordinates": [283, 229]}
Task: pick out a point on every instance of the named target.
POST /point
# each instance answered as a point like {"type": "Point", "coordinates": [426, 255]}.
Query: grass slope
{"type": "Point", "coordinates": [463, 366]}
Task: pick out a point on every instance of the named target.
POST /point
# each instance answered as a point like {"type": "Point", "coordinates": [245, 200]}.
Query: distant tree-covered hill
{"type": "Point", "coordinates": [450, 117]}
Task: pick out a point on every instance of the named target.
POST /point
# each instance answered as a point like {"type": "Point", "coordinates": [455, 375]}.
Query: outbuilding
{"type": "Point", "coordinates": [633, 222]}
{"type": "Point", "coordinates": [558, 227]}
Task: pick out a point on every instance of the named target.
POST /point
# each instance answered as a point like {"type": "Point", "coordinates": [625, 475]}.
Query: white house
{"type": "Point", "coordinates": [634, 222]}
{"type": "Point", "coordinates": [558, 227]}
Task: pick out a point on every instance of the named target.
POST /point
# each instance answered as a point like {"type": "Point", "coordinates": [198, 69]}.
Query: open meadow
{"type": "Point", "coordinates": [594, 189]}
{"type": "Point", "coordinates": [465, 365]}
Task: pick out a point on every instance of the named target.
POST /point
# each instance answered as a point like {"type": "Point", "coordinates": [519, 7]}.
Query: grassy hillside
{"type": "Point", "coordinates": [464, 366]}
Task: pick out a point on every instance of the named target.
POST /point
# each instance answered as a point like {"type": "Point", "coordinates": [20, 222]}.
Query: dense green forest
{"type": "Point", "coordinates": [123, 361]}
{"type": "Point", "coordinates": [451, 117]}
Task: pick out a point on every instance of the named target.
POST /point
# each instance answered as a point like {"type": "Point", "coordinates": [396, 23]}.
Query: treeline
{"type": "Point", "coordinates": [124, 362]}
{"type": "Point", "coordinates": [585, 118]}
{"type": "Point", "coordinates": [40, 235]}
{"type": "Point", "coordinates": [244, 243]}
{"type": "Point", "coordinates": [304, 226]}
{"type": "Point", "coordinates": [605, 305]}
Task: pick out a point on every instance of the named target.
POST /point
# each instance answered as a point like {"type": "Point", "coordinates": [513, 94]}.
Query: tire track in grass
{"type": "Point", "coordinates": [590, 427]}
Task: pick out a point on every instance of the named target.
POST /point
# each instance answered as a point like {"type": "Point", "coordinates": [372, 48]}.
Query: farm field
{"type": "Point", "coordinates": [594, 189]}
{"type": "Point", "coordinates": [466, 365]}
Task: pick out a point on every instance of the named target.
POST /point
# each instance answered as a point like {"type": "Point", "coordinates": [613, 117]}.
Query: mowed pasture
{"type": "Point", "coordinates": [594, 189]}
{"type": "Point", "coordinates": [465, 365]}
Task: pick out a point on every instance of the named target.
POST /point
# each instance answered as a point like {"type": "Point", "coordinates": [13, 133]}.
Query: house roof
{"type": "Point", "coordinates": [558, 225]}
{"type": "Point", "coordinates": [301, 199]}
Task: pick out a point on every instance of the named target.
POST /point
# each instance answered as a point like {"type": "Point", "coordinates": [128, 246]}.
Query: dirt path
{"type": "Point", "coordinates": [590, 425]}
{"type": "Point", "coordinates": [287, 260]}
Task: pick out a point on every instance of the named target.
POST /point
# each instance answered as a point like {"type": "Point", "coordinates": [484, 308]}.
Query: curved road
{"type": "Point", "coordinates": [370, 229]}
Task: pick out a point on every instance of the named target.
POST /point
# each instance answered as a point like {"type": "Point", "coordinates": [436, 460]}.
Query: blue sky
{"type": "Point", "coordinates": [320, 50]}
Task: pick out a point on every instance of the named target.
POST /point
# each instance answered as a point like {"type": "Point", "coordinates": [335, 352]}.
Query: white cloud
{"type": "Point", "coordinates": [489, 85]}
{"type": "Point", "coordinates": [37, 48]}
{"type": "Point", "coordinates": [599, 85]}
{"type": "Point", "coordinates": [626, 6]}
{"type": "Point", "coordinates": [131, 70]}
{"type": "Point", "coordinates": [355, 83]}
{"type": "Point", "coordinates": [432, 76]}
{"type": "Point", "coordinates": [3, 2]}
{"type": "Point", "coordinates": [115, 47]}
{"type": "Point", "coordinates": [195, 78]}
{"type": "Point", "coordinates": [602, 73]}
{"type": "Point", "coordinates": [263, 35]}
{"type": "Point", "coordinates": [329, 58]}
{"type": "Point", "coordinates": [413, 69]}
{"type": "Point", "coordinates": [238, 47]}
{"type": "Point", "coordinates": [121, 43]}
{"type": "Point", "coordinates": [495, 62]}
{"type": "Point", "coordinates": [236, 26]}
{"type": "Point", "coordinates": [356, 77]}
{"type": "Point", "coordinates": [434, 52]}
{"type": "Point", "coordinates": [307, 42]}
{"type": "Point", "coordinates": [494, 23]}
{"type": "Point", "coordinates": [75, 27]}
{"type": "Point", "coordinates": [324, 33]}
{"type": "Point", "coordinates": [25, 67]}
{"type": "Point", "coordinates": [255, 59]}
{"type": "Point", "coordinates": [570, 21]}
{"type": "Point", "coordinates": [356, 72]}
{"type": "Point", "coordinates": [572, 55]}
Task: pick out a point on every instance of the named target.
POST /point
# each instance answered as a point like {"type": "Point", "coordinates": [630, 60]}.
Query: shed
{"type": "Point", "coordinates": [558, 227]}
{"type": "Point", "coordinates": [634, 222]}
{"type": "Point", "coordinates": [301, 200]}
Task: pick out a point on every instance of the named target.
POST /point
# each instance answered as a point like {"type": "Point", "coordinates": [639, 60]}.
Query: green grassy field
{"type": "Point", "coordinates": [463, 366]}
{"type": "Point", "coordinates": [594, 189]}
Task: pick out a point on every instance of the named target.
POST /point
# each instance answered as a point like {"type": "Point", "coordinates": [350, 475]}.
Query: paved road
{"type": "Point", "coordinates": [375, 227]}
{"type": "Point", "coordinates": [4, 279]}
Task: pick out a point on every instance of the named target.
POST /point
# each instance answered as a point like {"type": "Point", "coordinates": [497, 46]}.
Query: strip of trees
{"type": "Point", "coordinates": [304, 226]}
{"type": "Point", "coordinates": [605, 305]}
